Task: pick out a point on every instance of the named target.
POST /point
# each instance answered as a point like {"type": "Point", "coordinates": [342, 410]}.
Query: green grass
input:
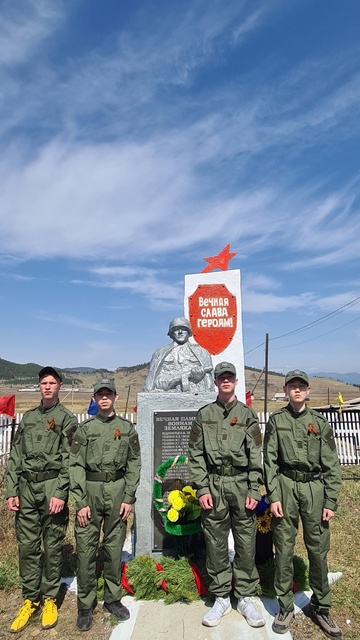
{"type": "Point", "coordinates": [344, 556]}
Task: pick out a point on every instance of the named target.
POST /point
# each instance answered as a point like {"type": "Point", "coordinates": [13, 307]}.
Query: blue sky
{"type": "Point", "coordinates": [138, 138]}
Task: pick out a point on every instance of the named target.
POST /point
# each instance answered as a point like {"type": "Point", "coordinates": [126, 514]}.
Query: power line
{"type": "Point", "coordinates": [320, 320]}
{"type": "Point", "coordinates": [254, 348]}
{"type": "Point", "coordinates": [328, 316]}
{"type": "Point", "coordinates": [320, 336]}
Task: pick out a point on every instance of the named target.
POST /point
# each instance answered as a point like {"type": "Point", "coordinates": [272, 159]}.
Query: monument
{"type": "Point", "coordinates": [180, 382]}
{"type": "Point", "coordinates": [180, 366]}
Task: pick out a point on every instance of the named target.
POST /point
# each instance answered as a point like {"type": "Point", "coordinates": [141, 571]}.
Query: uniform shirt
{"type": "Point", "coordinates": [302, 441]}
{"type": "Point", "coordinates": [104, 444]}
{"type": "Point", "coordinates": [42, 443]}
{"type": "Point", "coordinates": [225, 434]}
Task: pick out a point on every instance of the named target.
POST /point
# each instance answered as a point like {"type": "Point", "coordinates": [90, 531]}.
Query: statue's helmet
{"type": "Point", "coordinates": [179, 323]}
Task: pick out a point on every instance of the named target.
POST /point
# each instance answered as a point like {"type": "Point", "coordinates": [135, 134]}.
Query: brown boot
{"type": "Point", "coordinates": [322, 618]}
{"type": "Point", "coordinates": [282, 621]}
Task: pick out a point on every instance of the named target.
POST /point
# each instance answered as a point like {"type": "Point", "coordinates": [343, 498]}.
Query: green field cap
{"type": "Point", "coordinates": [224, 367]}
{"type": "Point", "coordinates": [49, 371]}
{"type": "Point", "coordinates": [105, 383]}
{"type": "Point", "coordinates": [297, 374]}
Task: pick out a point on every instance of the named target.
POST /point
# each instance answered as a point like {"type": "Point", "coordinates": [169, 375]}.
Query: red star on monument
{"type": "Point", "coordinates": [221, 261]}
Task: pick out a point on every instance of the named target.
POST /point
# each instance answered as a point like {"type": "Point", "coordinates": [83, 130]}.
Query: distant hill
{"type": "Point", "coordinates": [81, 370]}
{"type": "Point", "coordinates": [134, 368]}
{"type": "Point", "coordinates": [349, 378]}
{"type": "Point", "coordinates": [26, 374]}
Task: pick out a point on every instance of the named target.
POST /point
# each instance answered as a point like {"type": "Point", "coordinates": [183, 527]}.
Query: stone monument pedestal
{"type": "Point", "coordinates": [163, 424]}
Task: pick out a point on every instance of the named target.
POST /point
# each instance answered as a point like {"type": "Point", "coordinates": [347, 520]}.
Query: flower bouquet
{"type": "Point", "coordinates": [181, 511]}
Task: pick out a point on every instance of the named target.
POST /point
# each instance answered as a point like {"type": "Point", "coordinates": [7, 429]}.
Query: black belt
{"type": "Point", "coordinates": [40, 476]}
{"type": "Point", "coordinates": [224, 470]}
{"type": "Point", "coordinates": [105, 476]}
{"type": "Point", "coordinates": [301, 476]}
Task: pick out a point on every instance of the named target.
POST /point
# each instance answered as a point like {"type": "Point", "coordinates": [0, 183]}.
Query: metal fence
{"type": "Point", "coordinates": [346, 429]}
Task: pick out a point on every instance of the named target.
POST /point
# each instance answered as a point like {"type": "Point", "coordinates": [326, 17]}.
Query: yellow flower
{"type": "Point", "coordinates": [183, 503]}
{"type": "Point", "coordinates": [173, 515]}
{"type": "Point", "coordinates": [178, 503]}
{"type": "Point", "coordinates": [189, 490]}
{"type": "Point", "coordinates": [173, 495]}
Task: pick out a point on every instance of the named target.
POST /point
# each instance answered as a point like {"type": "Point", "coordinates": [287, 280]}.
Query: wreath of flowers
{"type": "Point", "coordinates": [180, 580]}
{"type": "Point", "coordinates": [181, 514]}
{"type": "Point", "coordinates": [170, 579]}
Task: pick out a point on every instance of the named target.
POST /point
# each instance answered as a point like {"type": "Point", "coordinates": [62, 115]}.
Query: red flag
{"type": "Point", "coordinates": [7, 405]}
{"type": "Point", "coordinates": [248, 398]}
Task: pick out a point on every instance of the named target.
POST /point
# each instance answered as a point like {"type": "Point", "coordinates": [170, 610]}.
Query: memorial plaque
{"type": "Point", "coordinates": [171, 438]}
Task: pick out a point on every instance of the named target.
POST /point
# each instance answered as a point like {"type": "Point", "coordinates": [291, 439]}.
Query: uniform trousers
{"type": "Point", "coordinates": [303, 500]}
{"type": "Point", "coordinates": [40, 572]}
{"type": "Point", "coordinates": [229, 513]}
{"type": "Point", "coordinates": [105, 499]}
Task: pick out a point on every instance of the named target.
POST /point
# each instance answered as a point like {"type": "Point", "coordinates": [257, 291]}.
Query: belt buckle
{"type": "Point", "coordinates": [110, 476]}
{"type": "Point", "coordinates": [301, 476]}
{"type": "Point", "coordinates": [227, 471]}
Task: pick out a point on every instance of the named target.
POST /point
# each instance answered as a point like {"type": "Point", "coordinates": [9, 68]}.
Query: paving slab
{"type": "Point", "coordinates": [156, 620]}
{"type": "Point", "coordinates": [179, 621]}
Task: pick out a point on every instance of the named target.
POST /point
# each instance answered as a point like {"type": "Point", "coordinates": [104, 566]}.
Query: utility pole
{"type": "Point", "coordinates": [266, 372]}
{"type": "Point", "coordinates": [127, 400]}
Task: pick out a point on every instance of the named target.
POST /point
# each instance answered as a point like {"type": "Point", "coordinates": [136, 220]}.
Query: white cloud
{"type": "Point", "coordinates": [149, 194]}
{"type": "Point", "coordinates": [149, 283]}
{"type": "Point", "coordinates": [24, 26]}
{"type": "Point", "coordinates": [267, 302]}
{"type": "Point", "coordinates": [73, 321]}
{"type": "Point", "coordinates": [126, 201]}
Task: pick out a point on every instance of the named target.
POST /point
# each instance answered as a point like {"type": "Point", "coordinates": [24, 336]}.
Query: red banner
{"type": "Point", "coordinates": [7, 405]}
{"type": "Point", "coordinates": [248, 398]}
{"type": "Point", "coordinates": [213, 316]}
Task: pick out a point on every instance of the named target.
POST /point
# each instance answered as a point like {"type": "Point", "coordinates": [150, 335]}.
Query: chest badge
{"type": "Point", "coordinates": [312, 429]}
{"type": "Point", "coordinates": [51, 424]}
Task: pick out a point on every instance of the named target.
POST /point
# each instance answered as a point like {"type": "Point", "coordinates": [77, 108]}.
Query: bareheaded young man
{"type": "Point", "coordinates": [104, 475]}
{"type": "Point", "coordinates": [225, 468]}
{"type": "Point", "coordinates": [37, 486]}
{"type": "Point", "coordinates": [303, 479]}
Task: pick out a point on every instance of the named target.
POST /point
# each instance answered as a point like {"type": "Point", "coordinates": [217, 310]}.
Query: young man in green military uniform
{"type": "Point", "coordinates": [37, 485]}
{"type": "Point", "coordinates": [303, 478]}
{"type": "Point", "coordinates": [104, 475]}
{"type": "Point", "coordinates": [225, 468]}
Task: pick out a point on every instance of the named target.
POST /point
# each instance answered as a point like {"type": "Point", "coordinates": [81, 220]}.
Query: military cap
{"type": "Point", "coordinates": [296, 373]}
{"type": "Point", "coordinates": [49, 371]}
{"type": "Point", "coordinates": [224, 367]}
{"type": "Point", "coordinates": [105, 383]}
